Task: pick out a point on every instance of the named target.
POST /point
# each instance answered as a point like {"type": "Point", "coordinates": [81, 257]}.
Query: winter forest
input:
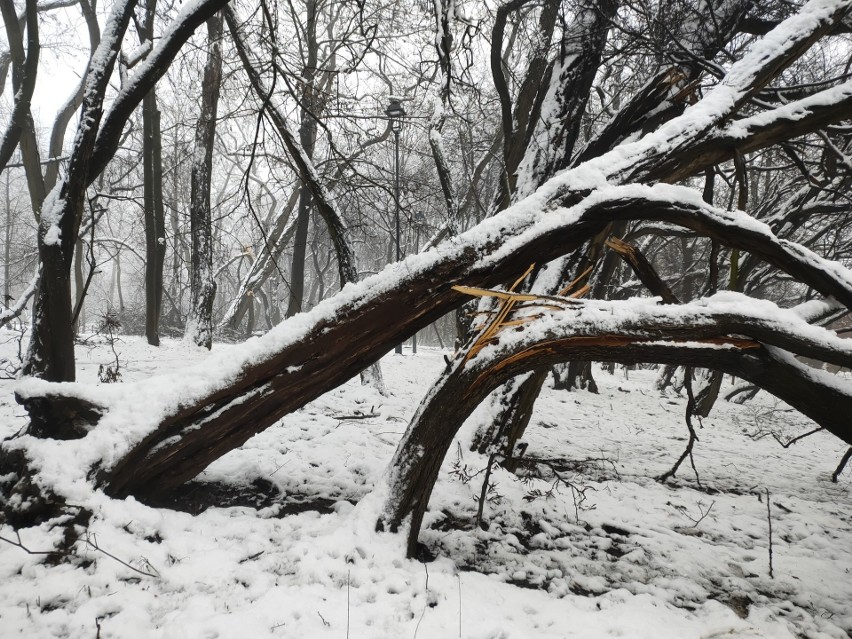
{"type": "Point", "coordinates": [504, 319]}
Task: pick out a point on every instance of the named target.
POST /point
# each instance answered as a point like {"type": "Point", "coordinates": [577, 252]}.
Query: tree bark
{"type": "Point", "coordinates": [51, 351]}
{"type": "Point", "coordinates": [310, 109]}
{"type": "Point", "coordinates": [559, 218]}
{"type": "Point", "coordinates": [152, 162]}
{"type": "Point", "coordinates": [199, 325]}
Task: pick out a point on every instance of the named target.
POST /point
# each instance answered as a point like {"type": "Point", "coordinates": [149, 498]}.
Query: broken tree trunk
{"type": "Point", "coordinates": [318, 353]}
{"type": "Point", "coordinates": [303, 358]}
{"type": "Point", "coordinates": [628, 340]}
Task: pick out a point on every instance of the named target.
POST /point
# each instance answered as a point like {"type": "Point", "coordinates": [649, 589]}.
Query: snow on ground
{"type": "Point", "coordinates": [631, 560]}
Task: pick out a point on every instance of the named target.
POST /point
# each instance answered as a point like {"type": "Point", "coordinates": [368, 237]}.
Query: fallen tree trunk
{"type": "Point", "coordinates": [316, 351]}
{"type": "Point", "coordinates": [319, 353]}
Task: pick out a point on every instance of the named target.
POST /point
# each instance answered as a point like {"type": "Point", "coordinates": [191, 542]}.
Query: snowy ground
{"type": "Point", "coordinates": [632, 560]}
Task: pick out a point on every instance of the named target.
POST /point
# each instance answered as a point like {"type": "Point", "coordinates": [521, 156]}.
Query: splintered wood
{"type": "Point", "coordinates": [508, 301]}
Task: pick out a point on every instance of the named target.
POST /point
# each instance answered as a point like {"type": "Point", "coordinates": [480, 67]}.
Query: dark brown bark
{"type": "Point", "coordinates": [659, 100]}
{"type": "Point", "coordinates": [154, 214]}
{"type": "Point", "coordinates": [326, 356]}
{"type": "Point", "coordinates": [581, 49]}
{"type": "Point", "coordinates": [643, 269]}
{"type": "Point", "coordinates": [155, 232]}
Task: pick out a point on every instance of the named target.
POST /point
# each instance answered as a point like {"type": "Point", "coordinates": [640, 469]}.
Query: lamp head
{"type": "Point", "coordinates": [395, 113]}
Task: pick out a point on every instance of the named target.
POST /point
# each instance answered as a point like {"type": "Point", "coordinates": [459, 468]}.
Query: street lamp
{"type": "Point", "coordinates": [396, 113]}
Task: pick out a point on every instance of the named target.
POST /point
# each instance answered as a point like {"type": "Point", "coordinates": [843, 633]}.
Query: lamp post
{"type": "Point", "coordinates": [396, 113]}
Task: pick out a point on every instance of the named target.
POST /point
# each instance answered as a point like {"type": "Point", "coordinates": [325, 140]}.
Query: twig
{"type": "Point", "coordinates": [324, 622]}
{"type": "Point", "coordinates": [21, 545]}
{"type": "Point", "coordinates": [92, 269]}
{"type": "Point", "coordinates": [769, 519]}
{"type": "Point", "coordinates": [703, 513]}
{"type": "Point", "coordinates": [458, 576]}
{"type": "Point", "coordinates": [795, 439]}
{"type": "Point", "coordinates": [484, 491]}
{"type": "Point", "coordinates": [94, 544]}
{"type": "Point", "coordinates": [578, 491]}
{"type": "Point", "coordinates": [690, 410]}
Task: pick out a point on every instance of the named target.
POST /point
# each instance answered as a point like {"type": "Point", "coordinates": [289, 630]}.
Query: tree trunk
{"type": "Point", "coordinates": [51, 351]}
{"type": "Point", "coordinates": [514, 402]}
{"type": "Point", "coordinates": [79, 249]}
{"type": "Point", "coordinates": [155, 219]}
{"type": "Point", "coordinates": [311, 109]}
{"type": "Point", "coordinates": [199, 325]}
{"type": "Point", "coordinates": [24, 69]}
{"type": "Point", "coordinates": [7, 247]}
{"type": "Point", "coordinates": [707, 395]}
{"type": "Point", "coordinates": [568, 212]}
{"type": "Point", "coordinates": [574, 375]}
{"type": "Point", "coordinates": [571, 81]}
{"type": "Point", "coordinates": [300, 245]}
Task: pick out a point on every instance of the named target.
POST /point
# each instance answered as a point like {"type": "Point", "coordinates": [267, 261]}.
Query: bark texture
{"type": "Point", "coordinates": [199, 325]}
